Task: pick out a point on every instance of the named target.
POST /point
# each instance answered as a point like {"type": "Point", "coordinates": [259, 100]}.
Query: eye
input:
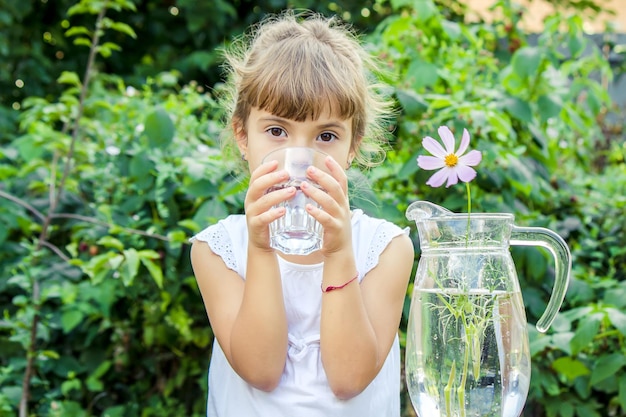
{"type": "Point", "coordinates": [327, 137]}
{"type": "Point", "coordinates": [276, 131]}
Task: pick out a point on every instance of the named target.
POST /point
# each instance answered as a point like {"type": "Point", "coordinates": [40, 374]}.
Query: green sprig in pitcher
{"type": "Point", "coordinates": [467, 352]}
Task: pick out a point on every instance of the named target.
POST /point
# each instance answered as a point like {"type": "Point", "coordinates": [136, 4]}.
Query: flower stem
{"type": "Point", "coordinates": [447, 391]}
{"type": "Point", "coordinates": [469, 334]}
{"type": "Point", "coordinates": [469, 198]}
{"type": "Point", "coordinates": [469, 211]}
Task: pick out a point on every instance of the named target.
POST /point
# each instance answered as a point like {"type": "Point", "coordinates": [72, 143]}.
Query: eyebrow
{"type": "Point", "coordinates": [334, 125]}
{"type": "Point", "coordinates": [329, 125]}
{"type": "Point", "coordinates": [274, 119]}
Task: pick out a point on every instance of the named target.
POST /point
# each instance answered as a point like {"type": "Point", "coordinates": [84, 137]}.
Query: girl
{"type": "Point", "coordinates": [312, 335]}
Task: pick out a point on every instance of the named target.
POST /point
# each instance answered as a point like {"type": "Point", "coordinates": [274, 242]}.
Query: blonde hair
{"type": "Point", "coordinates": [297, 65]}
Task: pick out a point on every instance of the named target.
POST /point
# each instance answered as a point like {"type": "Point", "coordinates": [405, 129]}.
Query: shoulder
{"type": "Point", "coordinates": [234, 224]}
{"type": "Point", "coordinates": [360, 219]}
{"type": "Point", "coordinates": [367, 229]}
{"type": "Point", "coordinates": [227, 238]}
{"type": "Point", "coordinates": [372, 236]}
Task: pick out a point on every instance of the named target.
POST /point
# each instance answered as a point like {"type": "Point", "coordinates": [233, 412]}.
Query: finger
{"type": "Point", "coordinates": [265, 178]}
{"type": "Point", "coordinates": [265, 218]}
{"type": "Point", "coordinates": [267, 200]}
{"type": "Point", "coordinates": [330, 186]}
{"type": "Point", "coordinates": [338, 173]}
{"type": "Point", "coordinates": [334, 175]}
{"type": "Point", "coordinates": [318, 194]}
{"type": "Point", "coordinates": [263, 169]}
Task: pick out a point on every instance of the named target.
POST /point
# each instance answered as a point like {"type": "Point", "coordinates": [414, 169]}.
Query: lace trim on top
{"type": "Point", "coordinates": [380, 241]}
{"type": "Point", "coordinates": [219, 241]}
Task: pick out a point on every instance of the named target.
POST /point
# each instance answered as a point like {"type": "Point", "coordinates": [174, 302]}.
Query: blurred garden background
{"type": "Point", "coordinates": [110, 161]}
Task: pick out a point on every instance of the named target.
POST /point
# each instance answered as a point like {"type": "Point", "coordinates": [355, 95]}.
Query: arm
{"type": "Point", "coordinates": [360, 322]}
{"type": "Point", "coordinates": [247, 317]}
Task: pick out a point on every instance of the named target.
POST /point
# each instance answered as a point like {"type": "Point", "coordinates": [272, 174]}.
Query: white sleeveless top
{"type": "Point", "coordinates": [303, 390]}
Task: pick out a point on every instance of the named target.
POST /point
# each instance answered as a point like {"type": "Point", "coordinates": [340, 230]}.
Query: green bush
{"type": "Point", "coordinates": [103, 183]}
{"type": "Point", "coordinates": [102, 189]}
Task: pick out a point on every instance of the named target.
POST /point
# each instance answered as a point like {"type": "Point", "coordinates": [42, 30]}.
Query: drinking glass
{"type": "Point", "coordinates": [297, 232]}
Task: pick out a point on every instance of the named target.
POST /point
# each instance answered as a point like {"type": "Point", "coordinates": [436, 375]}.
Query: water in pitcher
{"type": "Point", "coordinates": [468, 354]}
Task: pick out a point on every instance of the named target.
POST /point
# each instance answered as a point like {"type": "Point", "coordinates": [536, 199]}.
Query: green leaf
{"type": "Point", "coordinates": [178, 236]}
{"type": "Point", "coordinates": [202, 188]}
{"type": "Point", "coordinates": [575, 45]}
{"type": "Point", "coordinates": [563, 341]}
{"type": "Point", "coordinates": [570, 368]}
{"type": "Point", "coordinates": [586, 331]}
{"type": "Point", "coordinates": [100, 266]}
{"type": "Point", "coordinates": [550, 384]}
{"type": "Point", "coordinates": [210, 211]}
{"type": "Point", "coordinates": [77, 30]}
{"type": "Point", "coordinates": [93, 382]}
{"type": "Point", "coordinates": [141, 168]}
{"type": "Point", "coordinates": [424, 9]}
{"type": "Point", "coordinates": [534, 262]}
{"type": "Point", "coordinates": [616, 296]}
{"type": "Point", "coordinates": [115, 411]}
{"type": "Point", "coordinates": [82, 41]}
{"type": "Point", "coordinates": [549, 106]}
{"type": "Point", "coordinates": [70, 385]}
{"type": "Point", "coordinates": [111, 242]}
{"type": "Point", "coordinates": [70, 78]}
{"type": "Point", "coordinates": [148, 335]}
{"type": "Point", "coordinates": [607, 366]}
{"type": "Point", "coordinates": [155, 271]}
{"type": "Point", "coordinates": [107, 48]}
{"type": "Point", "coordinates": [617, 318]}
{"type": "Point", "coordinates": [123, 28]}
{"type": "Point", "coordinates": [519, 109]}
{"type": "Point", "coordinates": [452, 29]}
{"type": "Point", "coordinates": [50, 354]}
{"type": "Point", "coordinates": [439, 101]}
{"type": "Point", "coordinates": [29, 148]}
{"type": "Point", "coordinates": [409, 168]}
{"type": "Point", "coordinates": [70, 319]}
{"type": "Point", "coordinates": [577, 313]}
{"type": "Point", "coordinates": [421, 74]}
{"type": "Point", "coordinates": [131, 266]}
{"type": "Point", "coordinates": [159, 129]}
{"type": "Point", "coordinates": [621, 396]}
{"type": "Point", "coordinates": [566, 410]}
{"type": "Point", "coordinates": [412, 103]}
{"type": "Point", "coordinates": [526, 61]}
{"type": "Point", "coordinates": [189, 224]}
{"type": "Point", "coordinates": [539, 343]}
{"type": "Point", "coordinates": [561, 324]}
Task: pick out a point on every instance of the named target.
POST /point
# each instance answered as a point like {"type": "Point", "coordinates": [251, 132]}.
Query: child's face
{"type": "Point", "coordinates": [266, 132]}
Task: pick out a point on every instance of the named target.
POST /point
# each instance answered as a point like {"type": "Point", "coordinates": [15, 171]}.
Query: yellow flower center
{"type": "Point", "coordinates": [451, 160]}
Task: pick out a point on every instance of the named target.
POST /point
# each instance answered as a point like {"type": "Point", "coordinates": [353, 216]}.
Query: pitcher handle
{"type": "Point", "coordinates": [546, 238]}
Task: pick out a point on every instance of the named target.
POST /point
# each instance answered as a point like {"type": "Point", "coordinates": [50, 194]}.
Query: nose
{"type": "Point", "coordinates": [297, 159]}
{"type": "Point", "coordinates": [300, 141]}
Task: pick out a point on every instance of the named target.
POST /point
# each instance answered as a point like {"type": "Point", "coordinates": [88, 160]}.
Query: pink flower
{"type": "Point", "coordinates": [452, 166]}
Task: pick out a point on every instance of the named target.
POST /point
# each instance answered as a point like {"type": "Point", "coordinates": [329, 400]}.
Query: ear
{"type": "Point", "coordinates": [356, 144]}
{"type": "Point", "coordinates": [241, 137]}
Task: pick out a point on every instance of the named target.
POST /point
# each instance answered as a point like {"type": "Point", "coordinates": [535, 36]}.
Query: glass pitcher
{"type": "Point", "coordinates": [467, 351]}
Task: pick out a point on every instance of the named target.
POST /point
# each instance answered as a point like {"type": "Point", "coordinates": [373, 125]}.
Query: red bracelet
{"type": "Point", "coordinates": [338, 287]}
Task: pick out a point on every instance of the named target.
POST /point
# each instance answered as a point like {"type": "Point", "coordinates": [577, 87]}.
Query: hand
{"type": "Point", "coordinates": [259, 204]}
{"type": "Point", "coordinates": [334, 215]}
